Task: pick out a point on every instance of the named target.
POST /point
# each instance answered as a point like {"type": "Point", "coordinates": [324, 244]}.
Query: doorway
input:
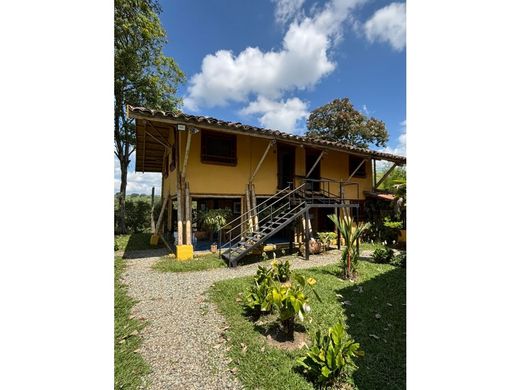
{"type": "Point", "coordinates": [286, 162]}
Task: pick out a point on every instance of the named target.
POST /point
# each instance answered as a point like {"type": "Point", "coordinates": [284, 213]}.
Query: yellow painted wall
{"type": "Point", "coordinates": [215, 179]}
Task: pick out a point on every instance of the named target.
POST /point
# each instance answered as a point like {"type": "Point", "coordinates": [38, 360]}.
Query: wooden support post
{"type": "Point", "coordinates": [161, 214]}
{"type": "Point", "coordinates": [151, 213]}
{"type": "Point", "coordinates": [315, 164]}
{"type": "Point", "coordinates": [374, 179]}
{"type": "Point", "coordinates": [357, 169]}
{"type": "Point", "coordinates": [170, 215]}
{"type": "Point", "coordinates": [256, 227]}
{"type": "Point", "coordinates": [271, 143]}
{"type": "Point", "coordinates": [248, 210]}
{"type": "Point", "coordinates": [338, 232]}
{"type": "Point", "coordinates": [186, 155]}
{"type": "Point", "coordinates": [385, 176]}
{"type": "Point", "coordinates": [188, 214]}
{"type": "Point", "coordinates": [307, 234]}
{"type": "Point", "coordinates": [180, 215]}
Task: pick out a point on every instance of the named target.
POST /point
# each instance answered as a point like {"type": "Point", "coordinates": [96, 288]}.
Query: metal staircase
{"type": "Point", "coordinates": [245, 233]}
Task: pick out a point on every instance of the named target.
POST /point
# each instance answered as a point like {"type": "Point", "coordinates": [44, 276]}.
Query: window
{"type": "Point", "coordinates": [218, 148]}
{"type": "Point", "coordinates": [353, 163]}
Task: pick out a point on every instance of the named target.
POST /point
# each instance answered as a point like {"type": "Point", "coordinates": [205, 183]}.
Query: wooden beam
{"type": "Point", "coordinates": [152, 220]}
{"type": "Point", "coordinates": [157, 139]}
{"type": "Point", "coordinates": [357, 169]}
{"type": "Point", "coordinates": [385, 176]}
{"type": "Point", "coordinates": [315, 164]}
{"type": "Point", "coordinates": [261, 160]}
{"type": "Point", "coordinates": [186, 155]}
{"type": "Point", "coordinates": [144, 146]}
{"type": "Point", "coordinates": [159, 133]}
{"type": "Point", "coordinates": [374, 173]}
{"type": "Point", "coordinates": [161, 214]}
{"type": "Point", "coordinates": [188, 214]}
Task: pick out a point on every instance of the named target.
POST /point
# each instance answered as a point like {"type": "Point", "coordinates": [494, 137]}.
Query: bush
{"type": "Point", "coordinates": [290, 300]}
{"type": "Point", "coordinates": [399, 260]}
{"type": "Point", "coordinates": [330, 356]}
{"type": "Point", "coordinates": [256, 297]}
{"type": "Point", "coordinates": [390, 231]}
{"type": "Point", "coordinates": [327, 238]}
{"type": "Point", "coordinates": [281, 270]}
{"type": "Point", "coordinates": [383, 255]}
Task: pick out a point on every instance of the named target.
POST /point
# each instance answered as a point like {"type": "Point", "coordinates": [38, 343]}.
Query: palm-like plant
{"type": "Point", "coordinates": [351, 233]}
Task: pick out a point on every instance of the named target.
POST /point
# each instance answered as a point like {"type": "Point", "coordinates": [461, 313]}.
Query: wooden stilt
{"type": "Point", "coordinates": [307, 235]}
{"type": "Point", "coordinates": [151, 213]}
{"type": "Point", "coordinates": [248, 210]}
{"type": "Point", "coordinates": [180, 216]}
{"type": "Point", "coordinates": [188, 214]}
{"type": "Point", "coordinates": [253, 205]}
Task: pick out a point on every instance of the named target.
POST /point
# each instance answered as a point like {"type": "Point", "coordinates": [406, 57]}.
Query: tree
{"type": "Point", "coordinates": [340, 121]}
{"type": "Point", "coordinates": [143, 76]}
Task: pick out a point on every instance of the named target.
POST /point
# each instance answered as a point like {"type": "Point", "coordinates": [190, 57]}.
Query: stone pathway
{"type": "Point", "coordinates": [182, 340]}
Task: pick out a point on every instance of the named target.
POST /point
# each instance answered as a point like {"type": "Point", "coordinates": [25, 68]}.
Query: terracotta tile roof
{"type": "Point", "coordinates": [195, 119]}
{"type": "Point", "coordinates": [379, 195]}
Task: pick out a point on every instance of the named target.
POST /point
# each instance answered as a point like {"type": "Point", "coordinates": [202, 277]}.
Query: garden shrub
{"type": "Point", "coordinates": [290, 300]}
{"type": "Point", "coordinates": [390, 231]}
{"type": "Point", "coordinates": [399, 260]}
{"type": "Point", "coordinates": [383, 255]}
{"type": "Point", "coordinates": [256, 297]}
{"type": "Point", "coordinates": [327, 238]}
{"type": "Point", "coordinates": [330, 356]}
{"type": "Point", "coordinates": [281, 270]}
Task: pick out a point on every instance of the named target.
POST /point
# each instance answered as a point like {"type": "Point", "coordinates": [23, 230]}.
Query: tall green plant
{"type": "Point", "coordinates": [214, 219]}
{"type": "Point", "coordinates": [330, 356]}
{"type": "Point", "coordinates": [351, 234]}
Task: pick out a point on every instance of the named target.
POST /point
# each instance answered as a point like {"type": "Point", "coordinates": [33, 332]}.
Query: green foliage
{"type": "Point", "coordinates": [129, 366]}
{"type": "Point", "coordinates": [390, 231]}
{"type": "Point", "coordinates": [396, 177]}
{"type": "Point", "coordinates": [384, 364]}
{"type": "Point", "coordinates": [256, 301]}
{"type": "Point", "coordinates": [281, 270]}
{"type": "Point", "coordinates": [399, 260]}
{"type": "Point", "coordinates": [383, 255]}
{"type": "Point", "coordinates": [351, 233]}
{"type": "Point", "coordinates": [330, 356]}
{"type": "Point", "coordinates": [340, 121]}
{"type": "Point", "coordinates": [256, 297]}
{"type": "Point", "coordinates": [290, 300]}
{"type": "Point", "coordinates": [327, 238]}
{"type": "Point", "coordinates": [137, 215]}
{"type": "Point", "coordinates": [213, 219]}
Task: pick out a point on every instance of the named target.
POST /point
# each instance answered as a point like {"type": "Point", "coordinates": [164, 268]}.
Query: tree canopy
{"type": "Point", "coordinates": [143, 75]}
{"type": "Point", "coordinates": [340, 121]}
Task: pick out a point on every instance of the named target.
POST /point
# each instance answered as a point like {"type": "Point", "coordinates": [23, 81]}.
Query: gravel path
{"type": "Point", "coordinates": [183, 340]}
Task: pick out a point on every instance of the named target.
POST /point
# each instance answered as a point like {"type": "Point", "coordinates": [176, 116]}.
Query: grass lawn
{"type": "Point", "coordinates": [367, 246]}
{"type": "Point", "coordinates": [199, 263]}
{"type": "Point", "coordinates": [134, 242]}
{"type": "Point", "coordinates": [383, 340]}
{"type": "Point", "coordinates": [129, 366]}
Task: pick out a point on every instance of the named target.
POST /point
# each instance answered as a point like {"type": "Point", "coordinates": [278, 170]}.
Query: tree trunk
{"type": "Point", "coordinates": [122, 197]}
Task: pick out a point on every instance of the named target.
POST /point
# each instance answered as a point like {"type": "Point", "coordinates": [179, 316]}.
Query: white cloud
{"type": "Point", "coordinates": [265, 76]}
{"type": "Point", "coordinates": [137, 182]}
{"type": "Point", "coordinates": [286, 10]}
{"type": "Point", "coordinates": [388, 24]}
{"type": "Point", "coordinates": [279, 115]}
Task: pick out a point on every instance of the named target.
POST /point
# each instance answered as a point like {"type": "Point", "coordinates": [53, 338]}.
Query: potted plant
{"type": "Point", "coordinates": [213, 220]}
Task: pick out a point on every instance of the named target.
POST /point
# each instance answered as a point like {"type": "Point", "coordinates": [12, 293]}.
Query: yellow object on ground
{"type": "Point", "coordinates": [184, 252]}
{"type": "Point", "coordinates": [154, 240]}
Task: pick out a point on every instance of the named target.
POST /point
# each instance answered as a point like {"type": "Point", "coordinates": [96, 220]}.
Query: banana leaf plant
{"type": "Point", "coordinates": [351, 233]}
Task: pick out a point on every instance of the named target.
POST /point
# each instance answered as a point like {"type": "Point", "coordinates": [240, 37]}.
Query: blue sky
{"type": "Point", "coordinates": [269, 63]}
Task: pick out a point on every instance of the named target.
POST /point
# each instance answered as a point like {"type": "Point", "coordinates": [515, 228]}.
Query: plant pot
{"type": "Point", "coordinates": [214, 248]}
